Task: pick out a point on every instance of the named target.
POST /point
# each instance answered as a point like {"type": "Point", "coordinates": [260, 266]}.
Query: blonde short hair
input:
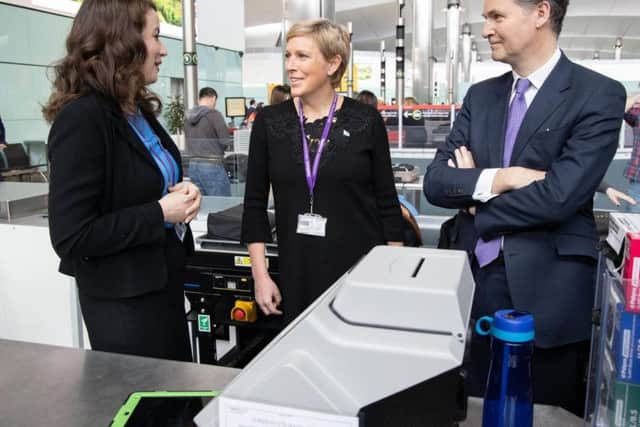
{"type": "Point", "coordinates": [332, 40]}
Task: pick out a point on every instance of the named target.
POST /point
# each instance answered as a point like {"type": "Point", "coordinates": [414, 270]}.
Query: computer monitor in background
{"type": "Point", "coordinates": [235, 106]}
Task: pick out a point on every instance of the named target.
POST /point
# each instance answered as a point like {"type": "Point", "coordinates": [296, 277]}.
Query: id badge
{"type": "Point", "coordinates": [181, 230]}
{"type": "Point", "coordinates": [312, 225]}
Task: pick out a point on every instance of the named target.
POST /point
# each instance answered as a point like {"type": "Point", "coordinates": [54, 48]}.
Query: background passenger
{"type": "Point", "coordinates": [279, 94]}
{"type": "Point", "coordinates": [368, 98]}
{"type": "Point", "coordinates": [410, 101]}
{"type": "Point", "coordinates": [206, 137]}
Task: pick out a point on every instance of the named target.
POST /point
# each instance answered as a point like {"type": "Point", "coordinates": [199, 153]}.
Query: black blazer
{"type": "Point", "coordinates": [571, 131]}
{"type": "Point", "coordinates": [105, 221]}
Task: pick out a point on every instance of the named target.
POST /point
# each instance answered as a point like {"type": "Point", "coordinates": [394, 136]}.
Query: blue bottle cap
{"type": "Point", "coordinates": [508, 325]}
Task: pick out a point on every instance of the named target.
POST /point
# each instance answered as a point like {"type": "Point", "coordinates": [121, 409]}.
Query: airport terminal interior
{"type": "Point", "coordinates": [381, 335]}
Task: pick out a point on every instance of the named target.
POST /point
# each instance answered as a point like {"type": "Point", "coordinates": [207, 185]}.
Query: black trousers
{"type": "Point", "coordinates": [151, 325]}
{"type": "Point", "coordinates": [559, 373]}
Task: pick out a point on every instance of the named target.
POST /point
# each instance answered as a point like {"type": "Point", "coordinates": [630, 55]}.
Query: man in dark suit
{"type": "Point", "coordinates": [522, 162]}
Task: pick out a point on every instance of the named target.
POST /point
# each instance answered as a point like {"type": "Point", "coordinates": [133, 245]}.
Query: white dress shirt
{"type": "Point", "coordinates": [482, 191]}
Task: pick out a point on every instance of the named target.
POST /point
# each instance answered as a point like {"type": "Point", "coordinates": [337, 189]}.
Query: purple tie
{"type": "Point", "coordinates": [487, 252]}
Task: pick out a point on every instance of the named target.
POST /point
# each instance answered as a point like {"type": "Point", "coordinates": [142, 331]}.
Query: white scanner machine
{"type": "Point", "coordinates": [383, 345]}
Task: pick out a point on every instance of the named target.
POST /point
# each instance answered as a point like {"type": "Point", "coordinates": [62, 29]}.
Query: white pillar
{"type": "Point", "coordinates": [466, 52]}
{"type": "Point", "coordinates": [422, 56]}
{"type": "Point", "coordinates": [618, 49]}
{"type": "Point", "coordinates": [189, 56]}
{"type": "Point", "coordinates": [400, 35]}
{"type": "Point", "coordinates": [383, 74]}
{"type": "Point", "coordinates": [453, 34]}
{"type": "Point", "coordinates": [350, 67]}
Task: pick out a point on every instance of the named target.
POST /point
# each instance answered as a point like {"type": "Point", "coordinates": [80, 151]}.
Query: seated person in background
{"type": "Point", "coordinates": [206, 136]}
{"type": "Point", "coordinates": [279, 94]}
{"type": "Point", "coordinates": [369, 98]}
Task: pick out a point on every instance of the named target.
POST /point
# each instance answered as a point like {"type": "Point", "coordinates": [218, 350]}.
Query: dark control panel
{"type": "Point", "coordinates": [226, 326]}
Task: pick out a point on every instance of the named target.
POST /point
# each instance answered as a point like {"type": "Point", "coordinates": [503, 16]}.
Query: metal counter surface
{"type": "Point", "coordinates": [67, 387]}
{"type": "Point", "coordinates": [543, 416]}
{"type": "Point", "coordinates": [10, 190]}
{"type": "Point", "coordinates": [20, 199]}
{"type": "Point", "coordinates": [36, 220]}
{"type": "Point", "coordinates": [44, 385]}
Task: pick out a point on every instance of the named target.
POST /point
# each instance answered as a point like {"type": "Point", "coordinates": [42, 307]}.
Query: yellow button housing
{"type": "Point", "coordinates": [244, 311]}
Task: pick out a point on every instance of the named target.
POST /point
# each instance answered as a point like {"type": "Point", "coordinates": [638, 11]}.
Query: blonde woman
{"type": "Point", "coordinates": [327, 158]}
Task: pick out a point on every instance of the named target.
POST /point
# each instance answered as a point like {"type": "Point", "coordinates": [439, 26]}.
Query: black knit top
{"type": "Point", "coordinates": [355, 191]}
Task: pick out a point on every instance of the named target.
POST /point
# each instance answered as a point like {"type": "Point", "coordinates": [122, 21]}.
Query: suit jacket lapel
{"type": "Point", "coordinates": [549, 97]}
{"type": "Point", "coordinates": [123, 131]}
{"type": "Point", "coordinates": [132, 139]}
{"type": "Point", "coordinates": [498, 114]}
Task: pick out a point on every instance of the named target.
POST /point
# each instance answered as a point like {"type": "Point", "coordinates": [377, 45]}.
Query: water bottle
{"type": "Point", "coordinates": [508, 399]}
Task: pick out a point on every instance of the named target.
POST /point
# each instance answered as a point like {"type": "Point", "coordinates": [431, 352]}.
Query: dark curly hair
{"type": "Point", "coordinates": [105, 54]}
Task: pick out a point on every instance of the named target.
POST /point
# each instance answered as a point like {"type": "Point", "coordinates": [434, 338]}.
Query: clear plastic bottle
{"type": "Point", "coordinates": [508, 399]}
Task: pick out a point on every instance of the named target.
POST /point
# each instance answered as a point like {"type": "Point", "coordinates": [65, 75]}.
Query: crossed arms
{"type": "Point", "coordinates": [528, 198]}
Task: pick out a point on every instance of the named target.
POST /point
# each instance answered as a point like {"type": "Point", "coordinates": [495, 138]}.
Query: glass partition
{"type": "Point", "coordinates": [424, 126]}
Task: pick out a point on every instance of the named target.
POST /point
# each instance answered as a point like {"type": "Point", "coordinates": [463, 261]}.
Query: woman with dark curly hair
{"type": "Point", "coordinates": [118, 209]}
{"type": "Point", "coordinates": [327, 159]}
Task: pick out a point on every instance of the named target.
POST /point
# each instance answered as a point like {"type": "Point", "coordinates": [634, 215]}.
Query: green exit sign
{"type": "Point", "coordinates": [204, 323]}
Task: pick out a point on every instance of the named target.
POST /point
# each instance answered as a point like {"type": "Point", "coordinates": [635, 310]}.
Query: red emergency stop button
{"type": "Point", "coordinates": [244, 311]}
{"type": "Point", "coordinates": [239, 314]}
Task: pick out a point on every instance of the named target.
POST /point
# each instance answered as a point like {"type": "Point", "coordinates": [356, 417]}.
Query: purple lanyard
{"type": "Point", "coordinates": [312, 174]}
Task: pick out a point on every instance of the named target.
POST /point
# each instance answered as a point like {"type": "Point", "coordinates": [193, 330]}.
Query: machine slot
{"type": "Point", "coordinates": [418, 267]}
